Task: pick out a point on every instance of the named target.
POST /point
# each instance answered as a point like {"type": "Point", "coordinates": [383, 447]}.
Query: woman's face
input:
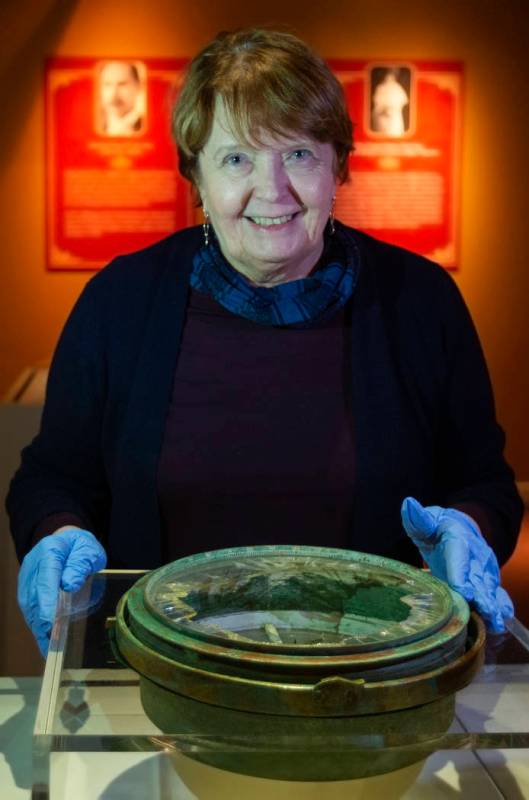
{"type": "Point", "coordinates": [268, 202]}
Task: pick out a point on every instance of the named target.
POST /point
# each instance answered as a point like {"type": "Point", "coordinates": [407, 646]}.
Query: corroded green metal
{"type": "Point", "coordinates": [332, 694]}
{"type": "Point", "coordinates": [299, 748]}
{"type": "Point", "coordinates": [308, 641]}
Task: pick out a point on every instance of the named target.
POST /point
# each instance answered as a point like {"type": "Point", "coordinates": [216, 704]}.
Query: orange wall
{"type": "Point", "coordinates": [488, 35]}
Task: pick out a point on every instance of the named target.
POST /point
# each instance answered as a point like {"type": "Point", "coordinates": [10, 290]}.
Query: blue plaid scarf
{"type": "Point", "coordinates": [298, 303]}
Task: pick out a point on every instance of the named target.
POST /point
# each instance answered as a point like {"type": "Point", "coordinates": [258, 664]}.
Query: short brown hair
{"type": "Point", "coordinates": [269, 81]}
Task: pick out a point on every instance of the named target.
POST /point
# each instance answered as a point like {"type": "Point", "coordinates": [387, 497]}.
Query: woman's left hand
{"type": "Point", "coordinates": [452, 545]}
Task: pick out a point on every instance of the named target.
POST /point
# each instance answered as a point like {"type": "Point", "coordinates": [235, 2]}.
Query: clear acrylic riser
{"type": "Point", "coordinates": [90, 703]}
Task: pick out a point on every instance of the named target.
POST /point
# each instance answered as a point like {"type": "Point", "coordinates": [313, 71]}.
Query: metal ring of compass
{"type": "Point", "coordinates": [163, 632]}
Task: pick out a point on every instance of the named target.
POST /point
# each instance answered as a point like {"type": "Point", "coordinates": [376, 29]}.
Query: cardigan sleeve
{"type": "Point", "coordinates": [61, 471]}
{"type": "Point", "coordinates": [472, 467]}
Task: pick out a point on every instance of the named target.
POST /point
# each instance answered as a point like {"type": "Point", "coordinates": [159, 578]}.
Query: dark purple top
{"type": "Point", "coordinates": [421, 401]}
{"type": "Point", "coordinates": [258, 443]}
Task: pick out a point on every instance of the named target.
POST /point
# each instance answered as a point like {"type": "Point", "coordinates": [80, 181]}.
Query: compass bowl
{"type": "Point", "coordinates": [276, 656]}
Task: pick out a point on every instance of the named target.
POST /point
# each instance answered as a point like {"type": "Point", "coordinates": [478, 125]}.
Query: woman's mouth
{"type": "Point", "coordinates": [272, 222]}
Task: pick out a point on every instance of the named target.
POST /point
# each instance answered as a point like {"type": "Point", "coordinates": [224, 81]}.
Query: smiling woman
{"type": "Point", "coordinates": [263, 133]}
{"type": "Point", "coordinates": [272, 378]}
{"type": "Point", "coordinates": [268, 203]}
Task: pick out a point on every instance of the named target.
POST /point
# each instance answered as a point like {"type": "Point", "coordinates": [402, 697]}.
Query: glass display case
{"type": "Point", "coordinates": [90, 705]}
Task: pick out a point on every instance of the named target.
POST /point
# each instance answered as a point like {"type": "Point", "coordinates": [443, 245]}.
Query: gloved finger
{"type": "Point", "coordinates": [490, 564]}
{"type": "Point", "coordinates": [419, 523]}
{"type": "Point", "coordinates": [47, 583]}
{"type": "Point", "coordinates": [494, 598]}
{"type": "Point", "coordinates": [505, 603]}
{"type": "Point", "coordinates": [44, 646]}
{"type": "Point", "coordinates": [487, 606]}
{"type": "Point", "coordinates": [86, 556]}
{"type": "Point", "coordinates": [456, 555]}
{"type": "Point", "coordinates": [490, 584]}
{"type": "Point", "coordinates": [494, 623]}
{"type": "Point", "coordinates": [38, 583]}
{"type": "Point", "coordinates": [26, 591]}
{"type": "Point", "coordinates": [42, 637]}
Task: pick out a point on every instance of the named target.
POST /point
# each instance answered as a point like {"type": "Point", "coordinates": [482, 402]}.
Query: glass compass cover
{"type": "Point", "coordinates": [276, 598]}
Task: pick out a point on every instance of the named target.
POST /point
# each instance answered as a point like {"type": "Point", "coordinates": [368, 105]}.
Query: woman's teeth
{"type": "Point", "coordinates": [266, 221]}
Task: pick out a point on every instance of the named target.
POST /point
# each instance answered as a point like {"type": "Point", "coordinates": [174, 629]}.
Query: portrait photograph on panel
{"type": "Point", "coordinates": [121, 98]}
{"type": "Point", "coordinates": [390, 98]}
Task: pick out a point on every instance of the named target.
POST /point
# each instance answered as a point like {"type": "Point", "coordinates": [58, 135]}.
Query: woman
{"type": "Point", "coordinates": [275, 377]}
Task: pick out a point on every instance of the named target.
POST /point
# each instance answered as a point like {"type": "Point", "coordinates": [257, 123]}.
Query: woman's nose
{"type": "Point", "coordinates": [271, 180]}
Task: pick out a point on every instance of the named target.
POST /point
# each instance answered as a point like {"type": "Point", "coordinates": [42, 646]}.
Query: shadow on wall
{"type": "Point", "coordinates": [19, 654]}
{"type": "Point", "coordinates": [26, 63]}
{"type": "Point", "coordinates": [514, 574]}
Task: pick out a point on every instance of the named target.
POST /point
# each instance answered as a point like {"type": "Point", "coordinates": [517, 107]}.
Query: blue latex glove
{"type": "Point", "coordinates": [452, 545]}
{"type": "Point", "coordinates": [60, 561]}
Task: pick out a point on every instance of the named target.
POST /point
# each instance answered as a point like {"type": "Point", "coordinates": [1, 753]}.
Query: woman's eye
{"type": "Point", "coordinates": [301, 154]}
{"type": "Point", "coordinates": [234, 159]}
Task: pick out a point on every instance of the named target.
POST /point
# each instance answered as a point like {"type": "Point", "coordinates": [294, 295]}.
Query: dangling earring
{"type": "Point", "coordinates": [331, 215]}
{"type": "Point", "coordinates": [205, 227]}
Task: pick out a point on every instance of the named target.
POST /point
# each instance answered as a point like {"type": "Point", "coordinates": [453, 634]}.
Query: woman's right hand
{"type": "Point", "coordinates": [62, 560]}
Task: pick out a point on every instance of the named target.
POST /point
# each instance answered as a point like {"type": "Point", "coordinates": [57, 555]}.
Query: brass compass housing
{"type": "Point", "coordinates": [275, 656]}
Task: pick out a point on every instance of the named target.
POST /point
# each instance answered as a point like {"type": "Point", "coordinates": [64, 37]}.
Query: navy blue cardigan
{"type": "Point", "coordinates": [420, 397]}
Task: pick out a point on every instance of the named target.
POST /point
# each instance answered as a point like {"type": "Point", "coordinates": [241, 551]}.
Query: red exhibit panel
{"type": "Point", "coordinates": [112, 182]}
{"type": "Point", "coordinates": [404, 185]}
